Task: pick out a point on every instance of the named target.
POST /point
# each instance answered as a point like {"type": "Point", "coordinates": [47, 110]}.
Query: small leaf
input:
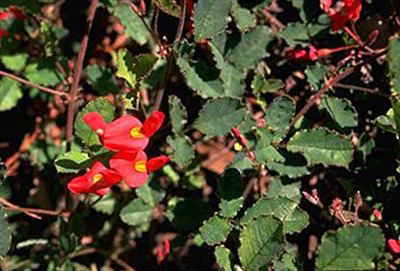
{"type": "Point", "coordinates": [136, 213]}
{"type": "Point", "coordinates": [134, 27]}
{"type": "Point", "coordinates": [295, 34]}
{"type": "Point", "coordinates": [350, 248]}
{"type": "Point", "coordinates": [5, 233]}
{"type": "Point", "coordinates": [261, 85]}
{"type": "Point", "coordinates": [341, 111]}
{"type": "Point", "coordinates": [215, 230]}
{"type": "Point", "coordinates": [43, 73]}
{"type": "Point", "coordinates": [106, 205]}
{"type": "Point", "coordinates": [15, 62]}
{"type": "Point", "coordinates": [151, 193]}
{"type": "Point", "coordinates": [177, 113]}
{"type": "Point", "coordinates": [278, 117]}
{"type": "Point", "coordinates": [283, 187]}
{"type": "Point", "coordinates": [321, 146]}
{"type": "Point", "coordinates": [82, 130]}
{"type": "Point", "coordinates": [102, 79]}
{"type": "Point", "coordinates": [293, 218]}
{"type": "Point", "coordinates": [220, 115]}
{"type": "Point", "coordinates": [183, 150]}
{"type": "Point", "coordinates": [251, 49]}
{"type": "Point", "coordinates": [169, 6]}
{"type": "Point", "coordinates": [261, 241]}
{"type": "Point", "coordinates": [210, 17]}
{"type": "Point", "coordinates": [294, 165]}
{"type": "Point", "coordinates": [315, 75]}
{"type": "Point", "coordinates": [223, 257]}
{"type": "Point", "coordinates": [243, 17]}
{"type": "Point", "coordinates": [230, 208]}
{"type": "Point", "coordinates": [10, 93]}
{"type": "Point", "coordinates": [72, 162]}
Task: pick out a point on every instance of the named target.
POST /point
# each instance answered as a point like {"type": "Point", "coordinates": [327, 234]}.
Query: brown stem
{"type": "Point", "coordinates": [331, 81]}
{"type": "Point", "coordinates": [32, 212]}
{"type": "Point", "coordinates": [182, 17]}
{"type": "Point", "coordinates": [362, 89]}
{"type": "Point", "coordinates": [30, 84]}
{"type": "Point", "coordinates": [78, 70]}
{"type": "Point", "coordinates": [163, 83]}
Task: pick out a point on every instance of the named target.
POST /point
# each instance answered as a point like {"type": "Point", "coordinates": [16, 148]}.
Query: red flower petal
{"type": "Point", "coordinates": [4, 15]}
{"type": "Point", "coordinates": [117, 135]}
{"type": "Point", "coordinates": [124, 163]}
{"type": "Point", "coordinates": [95, 121]}
{"type": "Point", "coordinates": [79, 185]}
{"type": "Point", "coordinates": [153, 123]}
{"type": "Point", "coordinates": [394, 245]}
{"type": "Point", "coordinates": [18, 14]}
{"type": "Point", "coordinates": [101, 192]}
{"type": "Point", "coordinates": [157, 162]}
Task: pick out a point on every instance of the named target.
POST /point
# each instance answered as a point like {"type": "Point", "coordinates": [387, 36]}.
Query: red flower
{"type": "Point", "coordinates": [18, 14]}
{"type": "Point", "coordinates": [134, 167]}
{"type": "Point", "coordinates": [309, 54]}
{"type": "Point", "coordinates": [377, 214]}
{"type": "Point", "coordinates": [3, 33]}
{"type": "Point", "coordinates": [97, 180]}
{"type": "Point", "coordinates": [126, 133]}
{"type": "Point", "coordinates": [349, 10]}
{"type": "Point", "coordinates": [162, 251]}
{"type": "Point", "coordinates": [4, 15]}
{"type": "Point", "coordinates": [394, 245]}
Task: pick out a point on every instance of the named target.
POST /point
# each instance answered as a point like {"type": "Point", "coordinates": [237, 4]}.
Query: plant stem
{"type": "Point", "coordinates": [182, 17]}
{"type": "Point", "coordinates": [30, 84]}
{"type": "Point", "coordinates": [333, 80]}
{"type": "Point", "coordinates": [77, 72]}
{"type": "Point", "coordinates": [32, 212]}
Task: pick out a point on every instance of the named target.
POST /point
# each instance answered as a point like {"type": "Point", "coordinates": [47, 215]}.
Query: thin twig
{"type": "Point", "coordinates": [362, 89]}
{"type": "Point", "coordinates": [331, 81]}
{"type": "Point", "coordinates": [32, 212]}
{"type": "Point", "coordinates": [78, 70]}
{"type": "Point", "coordinates": [163, 83]}
{"type": "Point", "coordinates": [182, 17]}
{"type": "Point", "coordinates": [30, 84]}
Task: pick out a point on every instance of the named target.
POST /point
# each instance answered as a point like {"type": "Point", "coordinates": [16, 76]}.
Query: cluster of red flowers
{"type": "Point", "coordinates": [11, 12]}
{"type": "Point", "coordinates": [343, 12]}
{"type": "Point", "coordinates": [128, 137]}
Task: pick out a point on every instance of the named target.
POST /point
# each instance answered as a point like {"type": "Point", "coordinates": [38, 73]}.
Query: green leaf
{"type": "Point", "coordinates": [267, 154]}
{"type": "Point", "coordinates": [294, 166]}
{"type": "Point", "coordinates": [10, 93]}
{"type": "Point", "coordinates": [72, 162]}
{"type": "Point", "coordinates": [261, 85]}
{"type": "Point", "coordinates": [315, 75]}
{"type": "Point", "coordinates": [134, 68]}
{"type": "Point", "coordinates": [102, 79]}
{"type": "Point", "coordinates": [134, 27]}
{"type": "Point", "coordinates": [219, 116]}
{"type": "Point", "coordinates": [321, 146]}
{"type": "Point", "coordinates": [278, 117]}
{"type": "Point", "coordinates": [169, 6]}
{"type": "Point", "coordinates": [210, 17]}
{"type": "Point", "coordinates": [82, 130]}
{"type": "Point", "coordinates": [106, 205]}
{"type": "Point", "coordinates": [350, 248]}
{"type": "Point", "coordinates": [293, 218]}
{"type": "Point", "coordinates": [261, 241]}
{"type": "Point", "coordinates": [15, 62]}
{"type": "Point", "coordinates": [215, 230]}
{"type": "Point", "coordinates": [199, 77]}
{"type": "Point", "coordinates": [230, 185]}
{"type": "Point", "coordinates": [43, 73]}
{"type": "Point", "coordinates": [341, 111]}
{"type": "Point", "coordinates": [177, 114]}
{"type": "Point", "coordinates": [151, 193]}
{"type": "Point", "coordinates": [230, 208]}
{"type": "Point", "coordinates": [136, 213]}
{"type": "Point", "coordinates": [243, 17]}
{"type": "Point", "coordinates": [295, 34]}
{"type": "Point", "coordinates": [223, 257]}
{"type": "Point", "coordinates": [393, 57]}
{"type": "Point", "coordinates": [182, 147]}
{"type": "Point", "coordinates": [251, 49]}
{"type": "Point", "coordinates": [283, 187]}
{"type": "Point", "coordinates": [5, 233]}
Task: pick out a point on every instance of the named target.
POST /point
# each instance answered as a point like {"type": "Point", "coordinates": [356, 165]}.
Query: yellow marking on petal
{"type": "Point", "coordinates": [98, 178]}
{"type": "Point", "coordinates": [136, 132]}
{"type": "Point", "coordinates": [140, 166]}
{"type": "Point", "coordinates": [238, 147]}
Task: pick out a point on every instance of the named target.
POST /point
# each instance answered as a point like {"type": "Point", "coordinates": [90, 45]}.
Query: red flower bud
{"type": "Point", "coordinates": [377, 214]}
{"type": "Point", "coordinates": [394, 245]}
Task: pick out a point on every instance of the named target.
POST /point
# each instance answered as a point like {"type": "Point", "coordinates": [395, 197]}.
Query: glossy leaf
{"type": "Point", "coordinates": [72, 162]}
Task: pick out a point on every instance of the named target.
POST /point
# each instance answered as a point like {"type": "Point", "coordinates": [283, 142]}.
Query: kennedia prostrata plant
{"type": "Point", "coordinates": [199, 135]}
